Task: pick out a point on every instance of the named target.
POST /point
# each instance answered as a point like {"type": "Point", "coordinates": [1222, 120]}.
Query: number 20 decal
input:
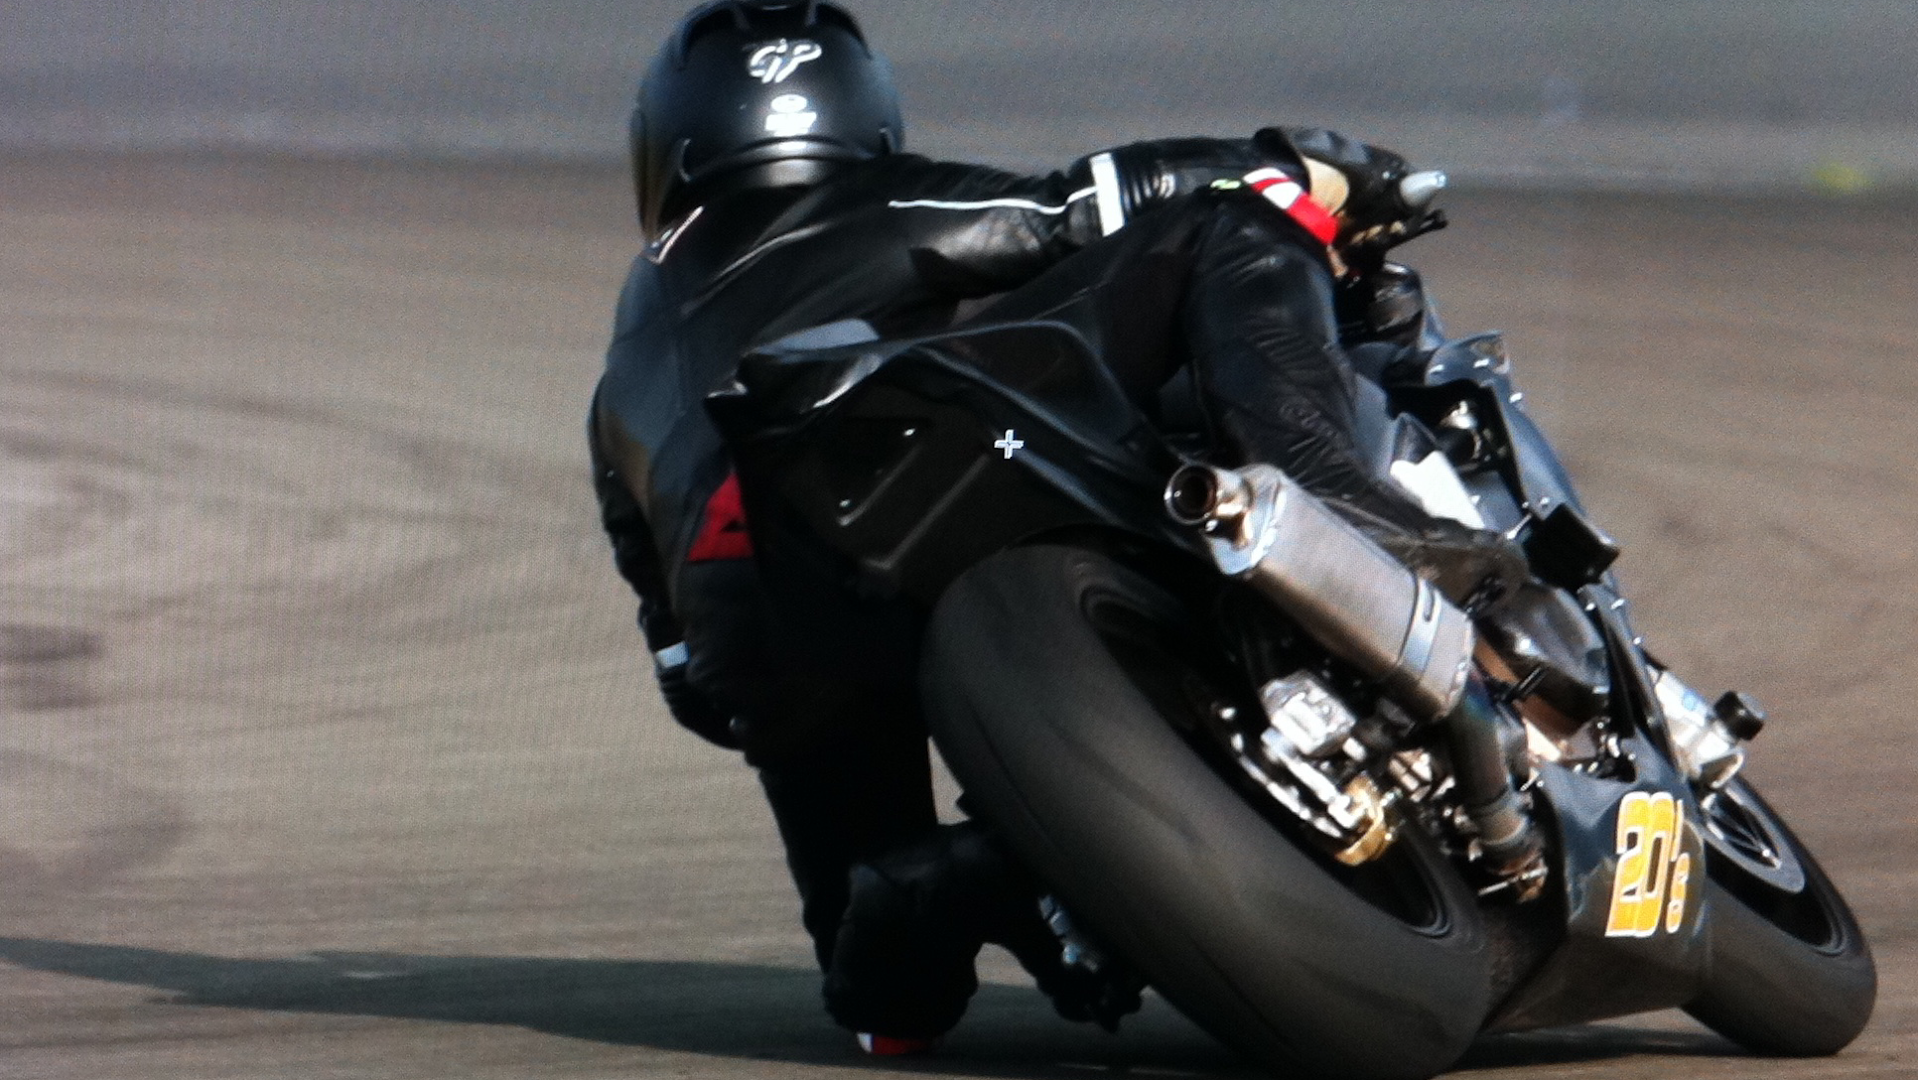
{"type": "Point", "coordinates": [1654, 873]}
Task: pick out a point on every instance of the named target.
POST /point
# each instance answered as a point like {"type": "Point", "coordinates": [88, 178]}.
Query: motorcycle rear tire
{"type": "Point", "coordinates": [1791, 974]}
{"type": "Point", "coordinates": [1263, 945]}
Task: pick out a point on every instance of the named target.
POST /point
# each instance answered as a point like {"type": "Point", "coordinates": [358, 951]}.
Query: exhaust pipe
{"type": "Point", "coordinates": [1370, 610]}
{"type": "Point", "coordinates": [1351, 595]}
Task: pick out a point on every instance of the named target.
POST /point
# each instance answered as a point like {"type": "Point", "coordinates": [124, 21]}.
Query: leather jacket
{"type": "Point", "coordinates": [898, 241]}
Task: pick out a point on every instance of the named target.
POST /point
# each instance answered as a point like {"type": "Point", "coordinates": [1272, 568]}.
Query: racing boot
{"type": "Point", "coordinates": [1277, 387]}
{"type": "Point", "coordinates": [902, 964]}
{"type": "Point", "coordinates": [1475, 568]}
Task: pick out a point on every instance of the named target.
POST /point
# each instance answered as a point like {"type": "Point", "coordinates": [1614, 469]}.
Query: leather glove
{"type": "Point", "coordinates": [689, 705]}
{"type": "Point", "coordinates": [1370, 174]}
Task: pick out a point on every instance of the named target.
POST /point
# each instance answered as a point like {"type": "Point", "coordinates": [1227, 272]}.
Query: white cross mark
{"type": "Point", "coordinates": [1009, 444]}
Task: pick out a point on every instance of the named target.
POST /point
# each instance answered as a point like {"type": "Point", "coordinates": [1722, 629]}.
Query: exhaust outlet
{"type": "Point", "coordinates": [1352, 596]}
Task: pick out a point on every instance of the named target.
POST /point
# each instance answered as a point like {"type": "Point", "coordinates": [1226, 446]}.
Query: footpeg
{"type": "Point", "coordinates": [1095, 988]}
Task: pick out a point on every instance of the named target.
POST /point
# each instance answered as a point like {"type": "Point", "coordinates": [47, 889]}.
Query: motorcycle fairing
{"type": "Point", "coordinates": [1596, 972]}
{"type": "Point", "coordinates": [1482, 361]}
{"type": "Point", "coordinates": [918, 458]}
{"type": "Point", "coordinates": [1565, 547]}
{"type": "Point", "coordinates": [1593, 974]}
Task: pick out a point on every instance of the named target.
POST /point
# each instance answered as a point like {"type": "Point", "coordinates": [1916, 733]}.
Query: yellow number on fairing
{"type": "Point", "coordinates": [1653, 874]}
{"type": "Point", "coordinates": [1681, 877]}
{"type": "Point", "coordinates": [1628, 884]}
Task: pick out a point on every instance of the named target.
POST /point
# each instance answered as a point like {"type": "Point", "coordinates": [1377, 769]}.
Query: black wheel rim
{"type": "Point", "coordinates": [1743, 831]}
{"type": "Point", "coordinates": [1754, 857]}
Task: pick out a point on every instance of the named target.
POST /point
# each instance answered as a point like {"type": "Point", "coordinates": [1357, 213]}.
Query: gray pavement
{"type": "Point", "coordinates": [326, 748]}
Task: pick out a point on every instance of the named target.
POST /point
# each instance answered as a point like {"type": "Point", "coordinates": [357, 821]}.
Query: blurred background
{"type": "Point", "coordinates": [1673, 93]}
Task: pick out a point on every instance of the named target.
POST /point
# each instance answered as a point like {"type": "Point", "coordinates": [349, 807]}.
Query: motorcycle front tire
{"type": "Point", "coordinates": [1791, 974]}
{"type": "Point", "coordinates": [1060, 750]}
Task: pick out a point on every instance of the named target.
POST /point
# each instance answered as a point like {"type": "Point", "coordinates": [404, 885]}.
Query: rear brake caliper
{"type": "Point", "coordinates": [1308, 759]}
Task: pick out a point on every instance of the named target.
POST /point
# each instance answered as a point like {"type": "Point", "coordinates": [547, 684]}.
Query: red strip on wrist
{"type": "Point", "coordinates": [1285, 193]}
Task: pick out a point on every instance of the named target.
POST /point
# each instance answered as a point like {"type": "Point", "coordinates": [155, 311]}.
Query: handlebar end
{"type": "Point", "coordinates": [1419, 189]}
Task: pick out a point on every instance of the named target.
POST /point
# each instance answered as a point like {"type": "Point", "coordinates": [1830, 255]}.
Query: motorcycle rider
{"type": "Point", "coordinates": [774, 192]}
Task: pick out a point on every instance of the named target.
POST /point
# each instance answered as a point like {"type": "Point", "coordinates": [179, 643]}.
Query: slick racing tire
{"type": "Point", "coordinates": [1032, 682]}
{"type": "Point", "coordinates": [1790, 971]}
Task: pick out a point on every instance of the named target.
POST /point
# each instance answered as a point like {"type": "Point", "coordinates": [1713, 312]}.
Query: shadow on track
{"type": "Point", "coordinates": [1591, 1042]}
{"type": "Point", "coordinates": [730, 1010]}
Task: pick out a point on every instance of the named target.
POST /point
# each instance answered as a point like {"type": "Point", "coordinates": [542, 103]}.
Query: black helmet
{"type": "Point", "coordinates": [757, 93]}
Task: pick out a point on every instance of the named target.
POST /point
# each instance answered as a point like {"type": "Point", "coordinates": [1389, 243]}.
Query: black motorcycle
{"type": "Point", "coordinates": [1341, 822]}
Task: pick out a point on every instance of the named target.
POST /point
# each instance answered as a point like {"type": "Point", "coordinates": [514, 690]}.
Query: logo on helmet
{"type": "Point", "coordinates": [792, 116]}
{"type": "Point", "coordinates": [775, 61]}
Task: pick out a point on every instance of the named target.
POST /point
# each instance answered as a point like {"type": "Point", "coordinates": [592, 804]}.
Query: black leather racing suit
{"type": "Point", "coordinates": [814, 684]}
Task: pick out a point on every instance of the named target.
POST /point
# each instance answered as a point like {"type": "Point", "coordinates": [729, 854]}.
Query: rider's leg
{"type": "Point", "coordinates": [898, 906]}
{"type": "Point", "coordinates": [1226, 282]}
{"type": "Point", "coordinates": [918, 915]}
{"type": "Point", "coordinates": [822, 688]}
{"type": "Point", "coordinates": [1278, 387]}
{"type": "Point", "coordinates": [842, 802]}
{"type": "Point", "coordinates": [1260, 319]}
{"type": "Point", "coordinates": [819, 690]}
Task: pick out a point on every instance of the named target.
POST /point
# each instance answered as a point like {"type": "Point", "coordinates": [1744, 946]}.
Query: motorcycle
{"type": "Point", "coordinates": [1226, 729]}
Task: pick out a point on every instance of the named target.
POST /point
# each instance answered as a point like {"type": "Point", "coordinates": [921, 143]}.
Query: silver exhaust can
{"type": "Point", "coordinates": [1351, 595]}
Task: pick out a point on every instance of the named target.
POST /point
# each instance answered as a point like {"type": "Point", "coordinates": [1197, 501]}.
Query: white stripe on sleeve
{"type": "Point", "coordinates": [991, 204]}
{"type": "Point", "coordinates": [1105, 180]}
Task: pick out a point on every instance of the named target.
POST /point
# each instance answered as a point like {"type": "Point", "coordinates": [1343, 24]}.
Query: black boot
{"type": "Point", "coordinates": [902, 965]}
{"type": "Point", "coordinates": [1476, 569]}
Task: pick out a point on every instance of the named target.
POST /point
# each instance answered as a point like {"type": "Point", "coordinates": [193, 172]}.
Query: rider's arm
{"type": "Point", "coordinates": [1129, 181]}
{"type": "Point", "coordinates": [637, 559]}
{"type": "Point", "coordinates": [976, 230]}
{"type": "Point", "coordinates": [634, 553]}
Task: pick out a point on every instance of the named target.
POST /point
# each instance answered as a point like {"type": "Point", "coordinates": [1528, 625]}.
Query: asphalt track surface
{"type": "Point", "coordinates": [326, 748]}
